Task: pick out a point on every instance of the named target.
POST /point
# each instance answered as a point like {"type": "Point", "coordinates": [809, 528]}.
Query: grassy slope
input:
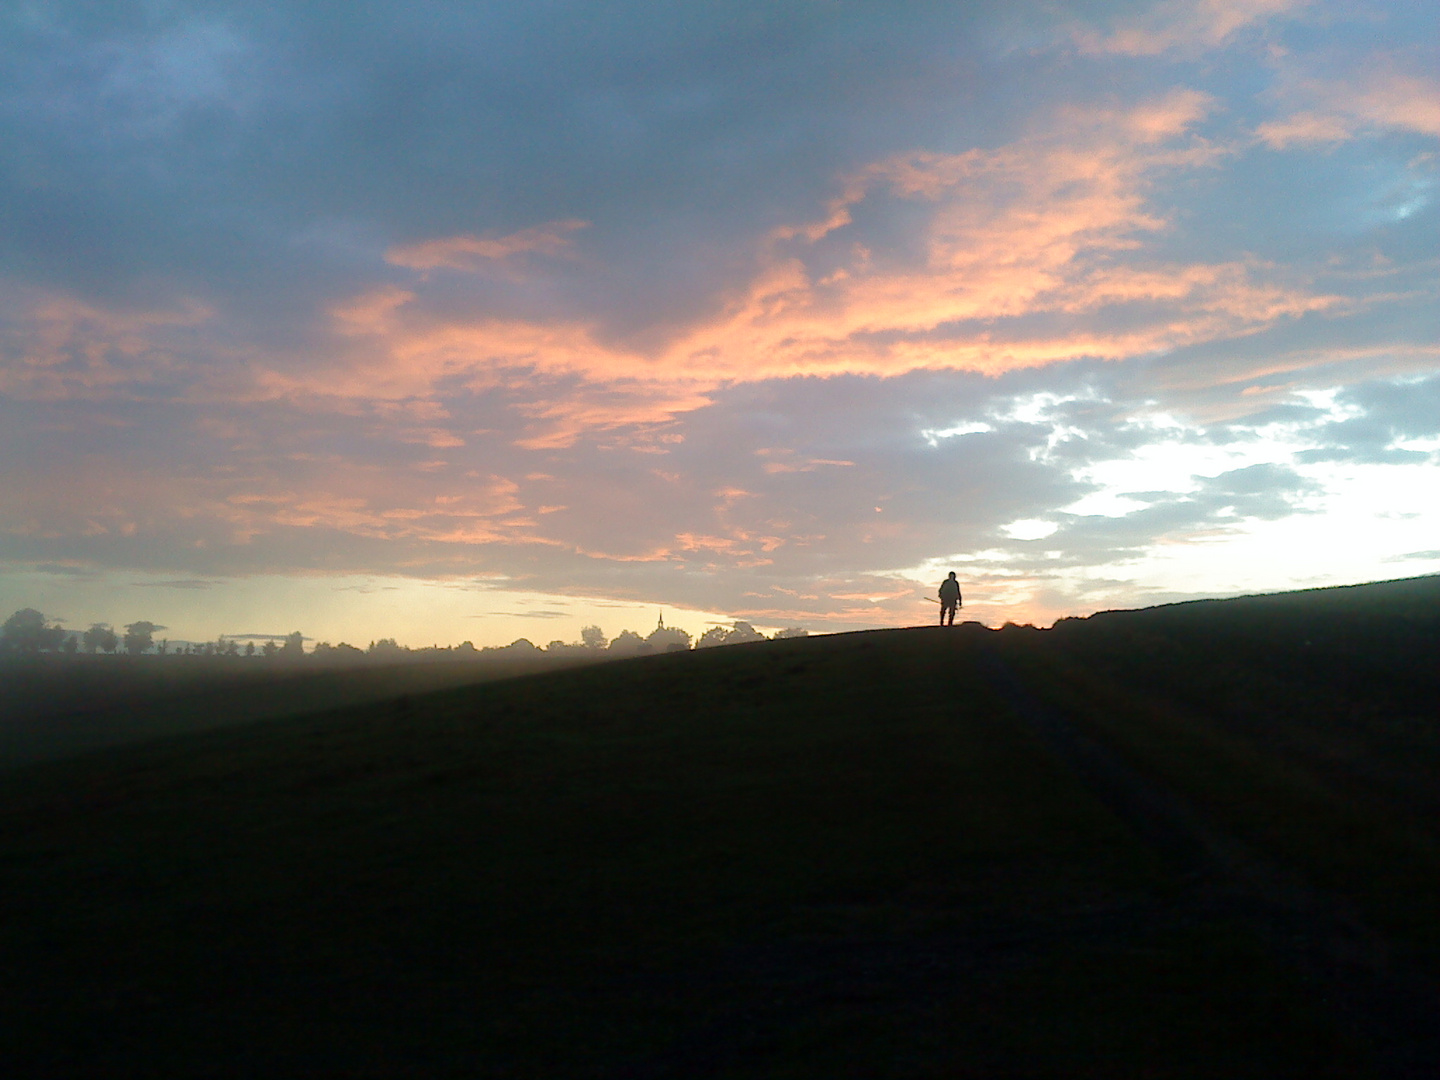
{"type": "Point", "coordinates": [847, 856]}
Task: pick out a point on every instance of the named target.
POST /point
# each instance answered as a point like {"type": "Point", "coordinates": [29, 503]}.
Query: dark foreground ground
{"type": "Point", "coordinates": [54, 706]}
{"type": "Point", "coordinates": [1197, 841]}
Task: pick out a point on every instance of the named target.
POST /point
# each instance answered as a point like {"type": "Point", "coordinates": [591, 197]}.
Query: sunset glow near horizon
{"type": "Point", "coordinates": [473, 322]}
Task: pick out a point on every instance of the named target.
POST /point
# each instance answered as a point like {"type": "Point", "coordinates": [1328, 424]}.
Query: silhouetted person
{"type": "Point", "coordinates": [949, 599]}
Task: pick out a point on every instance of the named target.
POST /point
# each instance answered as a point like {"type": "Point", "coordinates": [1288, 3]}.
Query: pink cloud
{"type": "Point", "coordinates": [467, 252]}
{"type": "Point", "coordinates": [1395, 99]}
{"type": "Point", "coordinates": [1306, 127]}
{"type": "Point", "coordinates": [1383, 97]}
{"type": "Point", "coordinates": [1056, 222]}
{"type": "Point", "coordinates": [61, 347]}
{"type": "Point", "coordinates": [1185, 26]}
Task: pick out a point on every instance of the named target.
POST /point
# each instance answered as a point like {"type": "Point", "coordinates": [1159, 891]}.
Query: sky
{"type": "Point", "coordinates": [477, 321]}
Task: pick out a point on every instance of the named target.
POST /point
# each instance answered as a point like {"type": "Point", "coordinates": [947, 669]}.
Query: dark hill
{"type": "Point", "coordinates": [1192, 841]}
{"type": "Point", "coordinates": [56, 706]}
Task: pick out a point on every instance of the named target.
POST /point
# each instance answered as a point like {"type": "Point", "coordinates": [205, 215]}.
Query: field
{"type": "Point", "coordinates": [1193, 841]}
{"type": "Point", "coordinates": [57, 706]}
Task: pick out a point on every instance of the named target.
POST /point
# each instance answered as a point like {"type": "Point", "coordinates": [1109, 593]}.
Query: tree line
{"type": "Point", "coordinates": [29, 632]}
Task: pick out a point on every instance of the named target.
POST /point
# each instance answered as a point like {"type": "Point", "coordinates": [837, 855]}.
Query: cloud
{"type": "Point", "coordinates": [1425, 556]}
{"type": "Point", "coordinates": [56, 346]}
{"type": "Point", "coordinates": [1185, 26]}
{"type": "Point", "coordinates": [864, 293]}
{"type": "Point", "coordinates": [1380, 95]}
{"type": "Point", "coordinates": [1007, 242]}
{"type": "Point", "coordinates": [1305, 127]}
{"type": "Point", "coordinates": [468, 253]}
{"type": "Point", "coordinates": [1398, 100]}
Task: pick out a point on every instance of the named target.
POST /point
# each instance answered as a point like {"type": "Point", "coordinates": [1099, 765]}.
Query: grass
{"type": "Point", "coordinates": [844, 856]}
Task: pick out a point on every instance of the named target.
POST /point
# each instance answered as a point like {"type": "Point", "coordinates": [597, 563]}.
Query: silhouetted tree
{"type": "Point", "coordinates": [668, 639]}
{"type": "Point", "coordinates": [270, 648]}
{"type": "Point", "coordinates": [740, 633]}
{"type": "Point", "coordinates": [567, 648]}
{"type": "Point", "coordinates": [23, 631]}
{"type": "Point", "coordinates": [592, 637]}
{"type": "Point", "coordinates": [71, 645]}
{"type": "Point", "coordinates": [139, 636]}
{"type": "Point", "coordinates": [520, 647]}
{"type": "Point", "coordinates": [26, 632]}
{"type": "Point", "coordinates": [791, 632]}
{"type": "Point", "coordinates": [716, 635]}
{"type": "Point", "coordinates": [294, 645]}
{"type": "Point", "coordinates": [249, 648]}
{"type": "Point", "coordinates": [629, 643]}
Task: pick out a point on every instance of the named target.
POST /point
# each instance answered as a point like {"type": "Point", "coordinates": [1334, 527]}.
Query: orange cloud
{"type": "Point", "coordinates": [467, 252]}
{"type": "Point", "coordinates": [560, 420]}
{"type": "Point", "coordinates": [365, 501]}
{"type": "Point", "coordinates": [372, 312]}
{"type": "Point", "coordinates": [1385, 97]}
{"type": "Point", "coordinates": [66, 348]}
{"type": "Point", "coordinates": [1185, 25]}
{"type": "Point", "coordinates": [1029, 254]}
{"type": "Point", "coordinates": [1055, 223]}
{"type": "Point", "coordinates": [1305, 127]}
{"type": "Point", "coordinates": [1408, 102]}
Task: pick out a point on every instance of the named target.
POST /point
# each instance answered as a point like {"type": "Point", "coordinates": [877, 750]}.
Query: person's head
{"type": "Point", "coordinates": [952, 575]}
